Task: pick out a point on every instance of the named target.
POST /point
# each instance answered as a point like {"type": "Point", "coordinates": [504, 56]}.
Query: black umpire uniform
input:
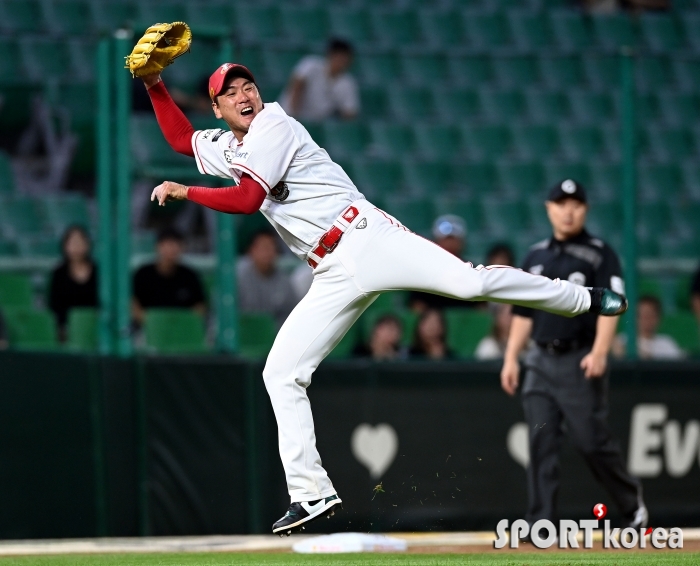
{"type": "Point", "coordinates": [555, 390]}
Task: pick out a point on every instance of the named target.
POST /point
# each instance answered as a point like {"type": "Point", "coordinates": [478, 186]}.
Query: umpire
{"type": "Point", "coordinates": [566, 378]}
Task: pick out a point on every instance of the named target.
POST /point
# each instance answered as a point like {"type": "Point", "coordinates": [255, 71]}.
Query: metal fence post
{"type": "Point", "coordinates": [629, 196]}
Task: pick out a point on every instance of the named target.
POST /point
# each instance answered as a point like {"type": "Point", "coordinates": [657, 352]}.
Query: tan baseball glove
{"type": "Point", "coordinates": [158, 48]}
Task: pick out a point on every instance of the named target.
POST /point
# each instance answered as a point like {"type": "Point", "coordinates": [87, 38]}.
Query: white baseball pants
{"type": "Point", "coordinates": [383, 256]}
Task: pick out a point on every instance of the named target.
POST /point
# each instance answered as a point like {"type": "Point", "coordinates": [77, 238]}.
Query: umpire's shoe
{"type": "Point", "coordinates": [606, 302]}
{"type": "Point", "coordinates": [303, 512]}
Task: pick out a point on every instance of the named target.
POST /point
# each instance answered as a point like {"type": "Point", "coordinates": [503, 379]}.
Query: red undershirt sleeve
{"type": "Point", "coordinates": [173, 123]}
{"type": "Point", "coordinates": [246, 198]}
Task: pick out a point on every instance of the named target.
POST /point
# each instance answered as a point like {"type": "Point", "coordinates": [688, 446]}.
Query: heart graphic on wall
{"type": "Point", "coordinates": [518, 444]}
{"type": "Point", "coordinates": [375, 447]}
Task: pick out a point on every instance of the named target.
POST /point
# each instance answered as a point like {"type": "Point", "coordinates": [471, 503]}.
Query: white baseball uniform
{"type": "Point", "coordinates": [308, 194]}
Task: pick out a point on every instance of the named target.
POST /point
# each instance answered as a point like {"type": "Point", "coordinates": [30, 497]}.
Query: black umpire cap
{"type": "Point", "coordinates": [568, 188]}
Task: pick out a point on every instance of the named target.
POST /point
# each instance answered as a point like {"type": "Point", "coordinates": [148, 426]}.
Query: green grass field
{"type": "Point", "coordinates": [671, 558]}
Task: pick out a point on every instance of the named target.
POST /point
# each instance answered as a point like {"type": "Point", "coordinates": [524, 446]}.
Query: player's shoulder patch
{"type": "Point", "coordinates": [206, 134]}
{"type": "Point", "coordinates": [540, 245]}
{"type": "Point", "coordinates": [597, 242]}
{"type": "Point", "coordinates": [217, 135]}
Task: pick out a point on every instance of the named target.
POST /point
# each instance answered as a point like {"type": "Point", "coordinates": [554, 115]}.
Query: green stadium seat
{"type": "Point", "coordinates": [691, 179]}
{"type": "Point", "coordinates": [374, 102]}
{"type": "Point", "coordinates": [66, 210]}
{"type": "Point", "coordinates": [149, 148]}
{"type": "Point", "coordinates": [422, 68]}
{"type": "Point", "coordinates": [8, 248]}
{"type": "Point", "coordinates": [521, 178]}
{"type": "Point", "coordinates": [646, 108]}
{"type": "Point", "coordinates": [409, 103]}
{"type": "Point", "coordinates": [591, 107]}
{"type": "Point", "coordinates": [150, 12]}
{"type": "Point", "coordinates": [605, 219]}
{"type": "Point", "coordinates": [108, 16]}
{"type": "Point", "coordinates": [425, 176]}
{"type": "Point", "coordinates": [603, 71]}
{"type": "Point", "coordinates": [210, 20]}
{"type": "Point", "coordinates": [80, 100]}
{"type": "Point", "coordinates": [536, 141]}
{"type": "Point", "coordinates": [562, 71]}
{"type": "Point", "coordinates": [687, 72]}
{"type": "Point", "coordinates": [473, 70]}
{"type": "Point", "coordinates": [21, 216]}
{"type": "Point", "coordinates": [649, 286]}
{"type": "Point", "coordinates": [191, 68]}
{"type": "Point", "coordinates": [547, 106]}
{"type": "Point", "coordinates": [679, 109]}
{"type": "Point", "coordinates": [653, 219]}
{"type": "Point", "coordinates": [279, 63]}
{"type": "Point", "coordinates": [70, 17]}
{"type": "Point", "coordinates": [39, 246]}
{"type": "Point", "coordinates": [537, 212]}
{"type": "Point", "coordinates": [473, 178]}
{"type": "Point", "coordinates": [682, 299]}
{"type": "Point", "coordinates": [487, 30]}
{"type": "Point", "coordinates": [416, 214]}
{"type": "Point", "coordinates": [691, 25]}
{"type": "Point", "coordinates": [654, 73]}
{"type": "Point", "coordinates": [531, 30]}
{"type": "Point", "coordinates": [174, 331]}
{"type": "Point", "coordinates": [678, 247]}
{"type": "Point", "coordinates": [11, 68]}
{"type": "Point", "coordinates": [376, 177]}
{"type": "Point", "coordinates": [143, 242]}
{"type": "Point", "coordinates": [437, 141]}
{"type": "Point", "coordinates": [465, 329]}
{"type": "Point", "coordinates": [345, 139]}
{"type": "Point", "coordinates": [581, 142]}
{"type": "Point", "coordinates": [45, 58]}
{"type": "Point", "coordinates": [662, 32]}
{"type": "Point", "coordinates": [395, 27]}
{"type": "Point", "coordinates": [571, 30]}
{"type": "Point", "coordinates": [21, 16]}
{"type": "Point", "coordinates": [469, 209]}
{"type": "Point", "coordinates": [316, 131]}
{"type": "Point", "coordinates": [683, 328]}
{"type": "Point", "coordinates": [83, 330]}
{"type": "Point", "coordinates": [15, 291]}
{"type": "Point", "coordinates": [379, 67]}
{"type": "Point", "coordinates": [352, 24]}
{"type": "Point", "coordinates": [257, 334]}
{"type": "Point", "coordinates": [456, 104]}
{"type": "Point", "coordinates": [258, 22]}
{"type": "Point", "coordinates": [442, 28]}
{"type": "Point", "coordinates": [686, 219]}
{"type": "Point", "coordinates": [556, 172]}
{"type": "Point", "coordinates": [29, 329]}
{"type": "Point", "coordinates": [503, 105]}
{"type": "Point", "coordinates": [606, 179]}
{"type": "Point", "coordinates": [303, 24]}
{"type": "Point", "coordinates": [518, 71]}
{"type": "Point", "coordinates": [504, 217]}
{"type": "Point", "coordinates": [660, 181]}
{"type": "Point", "coordinates": [347, 344]}
{"type": "Point", "coordinates": [7, 177]}
{"type": "Point", "coordinates": [487, 141]}
{"type": "Point", "coordinates": [390, 139]}
{"type": "Point", "coordinates": [613, 31]}
{"type": "Point", "coordinates": [669, 144]}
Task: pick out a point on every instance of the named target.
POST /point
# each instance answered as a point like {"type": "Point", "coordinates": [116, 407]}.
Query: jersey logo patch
{"type": "Point", "coordinates": [217, 136]}
{"type": "Point", "coordinates": [617, 284]}
{"type": "Point", "coordinates": [362, 224]}
{"type": "Point", "coordinates": [537, 269]}
{"type": "Point", "coordinates": [228, 156]}
{"type": "Point", "coordinates": [207, 133]}
{"type": "Point", "coordinates": [577, 278]}
{"type": "Point", "coordinates": [280, 191]}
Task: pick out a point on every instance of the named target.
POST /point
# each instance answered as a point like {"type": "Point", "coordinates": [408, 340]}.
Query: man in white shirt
{"type": "Point", "coordinates": [356, 250]}
{"type": "Point", "coordinates": [322, 87]}
{"type": "Point", "coordinates": [650, 344]}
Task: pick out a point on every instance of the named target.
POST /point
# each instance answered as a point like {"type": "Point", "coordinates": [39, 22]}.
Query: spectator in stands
{"type": "Point", "coordinates": [167, 283]}
{"type": "Point", "coordinates": [450, 233]}
{"type": "Point", "coordinates": [695, 294]}
{"type": "Point", "coordinates": [500, 254]}
{"type": "Point", "coordinates": [650, 344]}
{"type": "Point", "coordinates": [430, 337]}
{"type": "Point", "coordinates": [322, 87]}
{"type": "Point", "coordinates": [493, 346]}
{"type": "Point", "coordinates": [74, 282]}
{"type": "Point", "coordinates": [385, 340]}
{"type": "Point", "coordinates": [262, 286]}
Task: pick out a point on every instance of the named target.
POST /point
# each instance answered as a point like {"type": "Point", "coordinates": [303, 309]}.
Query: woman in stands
{"type": "Point", "coordinates": [74, 281]}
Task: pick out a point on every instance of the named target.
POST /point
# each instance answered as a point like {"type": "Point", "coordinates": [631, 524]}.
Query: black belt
{"type": "Point", "coordinates": [564, 346]}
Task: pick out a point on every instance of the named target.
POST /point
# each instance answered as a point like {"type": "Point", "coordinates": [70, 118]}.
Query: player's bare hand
{"type": "Point", "coordinates": [168, 191]}
{"type": "Point", "coordinates": [510, 376]}
{"type": "Point", "coordinates": [151, 80]}
{"type": "Point", "coordinates": [594, 365]}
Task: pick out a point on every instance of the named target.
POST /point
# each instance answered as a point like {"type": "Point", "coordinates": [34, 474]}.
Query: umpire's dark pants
{"type": "Point", "coordinates": [555, 392]}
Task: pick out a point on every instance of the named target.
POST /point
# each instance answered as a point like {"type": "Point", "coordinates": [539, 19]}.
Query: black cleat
{"type": "Point", "coordinates": [606, 302]}
{"type": "Point", "coordinates": [301, 513]}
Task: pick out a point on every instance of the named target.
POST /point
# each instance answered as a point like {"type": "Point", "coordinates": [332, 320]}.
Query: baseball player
{"type": "Point", "coordinates": [356, 251]}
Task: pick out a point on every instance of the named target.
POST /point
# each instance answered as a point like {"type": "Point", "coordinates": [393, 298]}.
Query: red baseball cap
{"type": "Point", "coordinates": [218, 77]}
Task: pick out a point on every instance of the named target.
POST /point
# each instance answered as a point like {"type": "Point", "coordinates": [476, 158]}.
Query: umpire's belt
{"type": "Point", "coordinates": [329, 241]}
{"type": "Point", "coordinates": [564, 346]}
